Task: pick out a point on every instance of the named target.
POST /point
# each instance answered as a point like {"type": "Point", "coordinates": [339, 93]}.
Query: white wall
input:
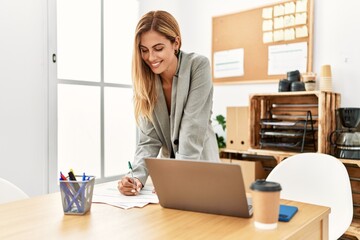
{"type": "Point", "coordinates": [336, 42]}
{"type": "Point", "coordinates": [23, 94]}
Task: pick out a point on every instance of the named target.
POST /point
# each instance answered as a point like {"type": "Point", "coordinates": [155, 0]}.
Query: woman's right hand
{"type": "Point", "coordinates": [128, 187]}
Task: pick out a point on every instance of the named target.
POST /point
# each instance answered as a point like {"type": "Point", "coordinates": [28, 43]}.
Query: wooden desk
{"type": "Point", "coordinates": [43, 218]}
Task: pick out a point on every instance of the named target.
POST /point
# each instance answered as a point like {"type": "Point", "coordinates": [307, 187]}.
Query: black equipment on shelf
{"type": "Point", "coordinates": [288, 131]}
{"type": "Point", "coordinates": [345, 140]}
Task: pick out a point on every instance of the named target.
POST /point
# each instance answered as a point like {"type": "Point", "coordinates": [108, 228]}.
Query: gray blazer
{"type": "Point", "coordinates": [188, 130]}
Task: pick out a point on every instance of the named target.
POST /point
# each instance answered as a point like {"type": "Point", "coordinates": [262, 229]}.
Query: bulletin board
{"type": "Point", "coordinates": [245, 44]}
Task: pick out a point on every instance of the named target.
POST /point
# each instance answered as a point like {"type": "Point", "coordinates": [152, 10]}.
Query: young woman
{"type": "Point", "coordinates": [173, 99]}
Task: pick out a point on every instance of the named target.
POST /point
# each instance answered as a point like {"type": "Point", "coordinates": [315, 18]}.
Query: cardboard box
{"type": "Point", "coordinates": [251, 170]}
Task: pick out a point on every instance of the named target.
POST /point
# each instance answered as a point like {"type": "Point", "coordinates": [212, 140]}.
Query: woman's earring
{"type": "Point", "coordinates": [176, 52]}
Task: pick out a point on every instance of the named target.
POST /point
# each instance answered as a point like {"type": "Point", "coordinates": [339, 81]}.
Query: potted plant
{"type": "Point", "coordinates": [220, 119]}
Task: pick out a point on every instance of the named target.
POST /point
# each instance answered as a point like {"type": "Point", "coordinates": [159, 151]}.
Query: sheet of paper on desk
{"type": "Point", "coordinates": [109, 194]}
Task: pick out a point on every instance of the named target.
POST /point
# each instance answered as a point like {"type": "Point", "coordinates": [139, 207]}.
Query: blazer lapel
{"type": "Point", "coordinates": [161, 113]}
{"type": "Point", "coordinates": [180, 90]}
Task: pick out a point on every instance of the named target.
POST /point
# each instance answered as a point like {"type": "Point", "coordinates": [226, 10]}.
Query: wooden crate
{"type": "Point", "coordinates": [321, 104]}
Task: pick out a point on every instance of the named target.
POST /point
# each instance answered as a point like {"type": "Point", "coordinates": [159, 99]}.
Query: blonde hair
{"type": "Point", "coordinates": [143, 78]}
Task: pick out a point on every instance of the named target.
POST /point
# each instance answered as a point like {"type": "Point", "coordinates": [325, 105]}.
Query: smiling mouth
{"type": "Point", "coordinates": [155, 65]}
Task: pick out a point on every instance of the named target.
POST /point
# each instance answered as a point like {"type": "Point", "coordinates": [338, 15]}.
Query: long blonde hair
{"type": "Point", "coordinates": [143, 78]}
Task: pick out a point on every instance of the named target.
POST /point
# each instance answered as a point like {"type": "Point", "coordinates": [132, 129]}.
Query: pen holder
{"type": "Point", "coordinates": [76, 196]}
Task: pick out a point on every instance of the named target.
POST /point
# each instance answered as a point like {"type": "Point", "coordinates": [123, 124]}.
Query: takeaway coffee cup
{"type": "Point", "coordinates": [266, 203]}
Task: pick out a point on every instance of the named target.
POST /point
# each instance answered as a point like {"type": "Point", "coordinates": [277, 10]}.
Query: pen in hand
{"type": "Point", "coordinates": [132, 176]}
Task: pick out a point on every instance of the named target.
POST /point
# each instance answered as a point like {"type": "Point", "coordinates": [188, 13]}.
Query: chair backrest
{"type": "Point", "coordinates": [10, 192]}
{"type": "Point", "coordinates": [319, 179]}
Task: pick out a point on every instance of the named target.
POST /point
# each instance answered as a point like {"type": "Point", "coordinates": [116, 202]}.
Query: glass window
{"type": "Point", "coordinates": [119, 28]}
{"type": "Point", "coordinates": [79, 129]}
{"type": "Point", "coordinates": [78, 40]}
{"type": "Point", "coordinates": [120, 128]}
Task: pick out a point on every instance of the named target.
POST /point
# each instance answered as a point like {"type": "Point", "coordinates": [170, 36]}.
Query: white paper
{"type": "Point", "coordinates": [287, 57]}
{"type": "Point", "coordinates": [267, 13]}
{"type": "Point", "coordinates": [301, 32]}
{"type": "Point", "coordinates": [301, 6]}
{"type": "Point", "coordinates": [289, 21]}
{"type": "Point", "coordinates": [278, 22]}
{"type": "Point", "coordinates": [267, 25]}
{"type": "Point", "coordinates": [229, 63]}
{"type": "Point", "coordinates": [267, 37]}
{"type": "Point", "coordinates": [109, 194]}
{"type": "Point", "coordinates": [279, 10]}
{"type": "Point", "coordinates": [278, 35]}
{"type": "Point", "coordinates": [289, 34]}
{"type": "Point", "coordinates": [300, 18]}
{"type": "Point", "coordinates": [289, 8]}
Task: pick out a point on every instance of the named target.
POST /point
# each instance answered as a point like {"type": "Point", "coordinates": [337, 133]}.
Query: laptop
{"type": "Point", "coordinates": [200, 186]}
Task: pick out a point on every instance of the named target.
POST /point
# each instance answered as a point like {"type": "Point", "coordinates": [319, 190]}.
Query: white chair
{"type": "Point", "coordinates": [319, 179]}
{"type": "Point", "coordinates": [9, 192]}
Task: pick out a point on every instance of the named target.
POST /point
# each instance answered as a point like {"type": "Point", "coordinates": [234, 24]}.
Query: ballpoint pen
{"type": "Point", "coordinates": [132, 174]}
